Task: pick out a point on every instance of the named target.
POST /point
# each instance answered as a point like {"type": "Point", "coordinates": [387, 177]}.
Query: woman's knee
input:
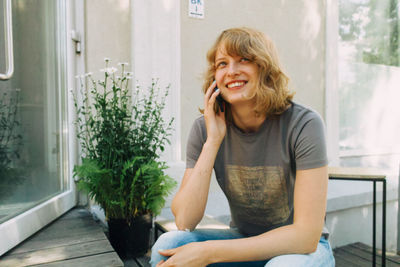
{"type": "Point", "coordinates": [322, 257]}
{"type": "Point", "coordinates": [170, 240]}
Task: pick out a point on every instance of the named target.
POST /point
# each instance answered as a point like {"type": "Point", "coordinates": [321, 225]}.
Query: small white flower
{"type": "Point", "coordinates": [129, 73]}
{"type": "Point", "coordinates": [106, 59]}
{"type": "Point", "coordinates": [111, 70]}
{"type": "Point", "coordinates": [123, 64]}
{"type": "Point", "coordinates": [88, 74]}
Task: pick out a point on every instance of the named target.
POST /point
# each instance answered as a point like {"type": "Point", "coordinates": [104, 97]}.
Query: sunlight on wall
{"type": "Point", "coordinates": [122, 5]}
{"type": "Point", "coordinates": [168, 4]}
{"type": "Point", "coordinates": [334, 223]}
{"type": "Point", "coordinates": [311, 24]}
{"type": "Point", "coordinates": [364, 212]}
{"type": "Point", "coordinates": [370, 115]}
{"type": "Point", "coordinates": [381, 119]}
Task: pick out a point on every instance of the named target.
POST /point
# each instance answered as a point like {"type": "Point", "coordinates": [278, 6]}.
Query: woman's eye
{"type": "Point", "coordinates": [221, 64]}
{"type": "Point", "coordinates": [243, 59]}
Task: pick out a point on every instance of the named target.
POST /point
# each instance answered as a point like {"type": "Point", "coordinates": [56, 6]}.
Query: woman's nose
{"type": "Point", "coordinates": [233, 69]}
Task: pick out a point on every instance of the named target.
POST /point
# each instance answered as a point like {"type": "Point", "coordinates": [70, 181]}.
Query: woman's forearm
{"type": "Point", "coordinates": [189, 203]}
{"type": "Point", "coordinates": [290, 239]}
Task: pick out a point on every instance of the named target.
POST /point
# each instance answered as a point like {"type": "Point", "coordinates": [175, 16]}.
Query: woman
{"type": "Point", "coordinates": [269, 157]}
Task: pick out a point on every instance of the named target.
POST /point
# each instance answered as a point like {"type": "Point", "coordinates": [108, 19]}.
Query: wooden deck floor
{"type": "Point", "coordinates": [353, 255]}
{"type": "Point", "coordinates": [359, 254]}
{"type": "Point", "coordinates": [74, 239]}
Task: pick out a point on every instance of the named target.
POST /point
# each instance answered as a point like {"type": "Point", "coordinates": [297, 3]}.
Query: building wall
{"type": "Point", "coordinates": [107, 33]}
{"type": "Point", "coordinates": [296, 27]}
{"type": "Point", "coordinates": [347, 226]}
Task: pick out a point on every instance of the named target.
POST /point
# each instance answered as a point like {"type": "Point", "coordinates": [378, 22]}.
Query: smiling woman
{"type": "Point", "coordinates": [255, 54]}
{"type": "Point", "coordinates": [269, 158]}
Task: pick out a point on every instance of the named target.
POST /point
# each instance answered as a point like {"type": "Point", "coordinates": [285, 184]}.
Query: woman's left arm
{"type": "Point", "coordinates": [301, 237]}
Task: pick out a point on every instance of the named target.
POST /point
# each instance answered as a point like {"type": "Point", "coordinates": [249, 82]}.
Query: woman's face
{"type": "Point", "coordinates": [236, 77]}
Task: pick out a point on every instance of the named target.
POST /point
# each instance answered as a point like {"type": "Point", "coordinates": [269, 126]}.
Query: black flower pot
{"type": "Point", "coordinates": [130, 240]}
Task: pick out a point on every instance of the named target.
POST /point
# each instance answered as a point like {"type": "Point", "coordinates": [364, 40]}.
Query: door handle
{"type": "Point", "coordinates": [9, 53]}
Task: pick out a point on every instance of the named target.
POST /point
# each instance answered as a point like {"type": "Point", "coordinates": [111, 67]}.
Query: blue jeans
{"type": "Point", "coordinates": [321, 257]}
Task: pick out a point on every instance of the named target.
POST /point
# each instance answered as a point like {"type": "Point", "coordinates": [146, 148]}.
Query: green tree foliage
{"type": "Point", "coordinates": [372, 28]}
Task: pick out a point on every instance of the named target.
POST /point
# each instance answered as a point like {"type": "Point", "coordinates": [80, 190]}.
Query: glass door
{"type": "Point", "coordinates": [33, 142]}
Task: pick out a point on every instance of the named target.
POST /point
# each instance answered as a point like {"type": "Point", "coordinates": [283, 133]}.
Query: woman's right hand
{"type": "Point", "coordinates": [215, 123]}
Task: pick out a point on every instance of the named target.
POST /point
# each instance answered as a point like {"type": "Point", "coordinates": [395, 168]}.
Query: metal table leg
{"type": "Point", "coordinates": [384, 223]}
{"type": "Point", "coordinates": [374, 227]}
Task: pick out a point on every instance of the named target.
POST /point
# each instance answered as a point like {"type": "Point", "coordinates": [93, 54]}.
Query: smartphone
{"type": "Point", "coordinates": [220, 100]}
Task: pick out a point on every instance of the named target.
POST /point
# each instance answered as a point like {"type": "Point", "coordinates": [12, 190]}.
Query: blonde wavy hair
{"type": "Point", "coordinates": [272, 93]}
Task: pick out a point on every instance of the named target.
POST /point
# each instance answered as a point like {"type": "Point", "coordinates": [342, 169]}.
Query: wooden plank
{"type": "Point", "coordinates": [354, 259]}
{"type": "Point", "coordinates": [355, 173]}
{"type": "Point", "coordinates": [389, 256]}
{"type": "Point", "coordinates": [71, 224]}
{"type": "Point", "coordinates": [59, 230]}
{"type": "Point", "coordinates": [76, 213]}
{"type": "Point", "coordinates": [131, 263]}
{"type": "Point", "coordinates": [61, 233]}
{"type": "Point", "coordinates": [106, 259]}
{"type": "Point", "coordinates": [362, 254]}
{"type": "Point", "coordinates": [40, 244]}
{"type": "Point", "coordinates": [342, 262]}
{"type": "Point", "coordinates": [57, 254]}
{"type": "Point", "coordinates": [391, 264]}
{"type": "Point", "coordinates": [66, 228]}
{"type": "Point", "coordinates": [144, 261]}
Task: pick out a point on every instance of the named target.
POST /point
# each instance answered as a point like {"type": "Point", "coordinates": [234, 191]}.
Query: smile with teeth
{"type": "Point", "coordinates": [235, 84]}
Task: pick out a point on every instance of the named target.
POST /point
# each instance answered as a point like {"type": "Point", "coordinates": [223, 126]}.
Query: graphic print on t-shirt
{"type": "Point", "coordinates": [258, 194]}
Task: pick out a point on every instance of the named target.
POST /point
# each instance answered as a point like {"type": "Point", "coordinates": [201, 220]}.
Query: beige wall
{"type": "Point", "coordinates": [107, 33]}
{"type": "Point", "coordinates": [297, 28]}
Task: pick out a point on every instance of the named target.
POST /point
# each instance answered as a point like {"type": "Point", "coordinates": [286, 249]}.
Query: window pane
{"type": "Point", "coordinates": [369, 79]}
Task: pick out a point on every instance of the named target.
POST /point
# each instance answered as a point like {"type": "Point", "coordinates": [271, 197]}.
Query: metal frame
{"type": "Point", "coordinates": [374, 180]}
{"type": "Point", "coordinates": [9, 53]}
{"type": "Point", "coordinates": [398, 217]}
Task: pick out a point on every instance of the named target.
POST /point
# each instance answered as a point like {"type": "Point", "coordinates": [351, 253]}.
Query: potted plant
{"type": "Point", "coordinates": [121, 133]}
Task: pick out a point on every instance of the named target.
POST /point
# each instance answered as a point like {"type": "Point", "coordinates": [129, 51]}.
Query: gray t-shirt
{"type": "Point", "coordinates": [257, 171]}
